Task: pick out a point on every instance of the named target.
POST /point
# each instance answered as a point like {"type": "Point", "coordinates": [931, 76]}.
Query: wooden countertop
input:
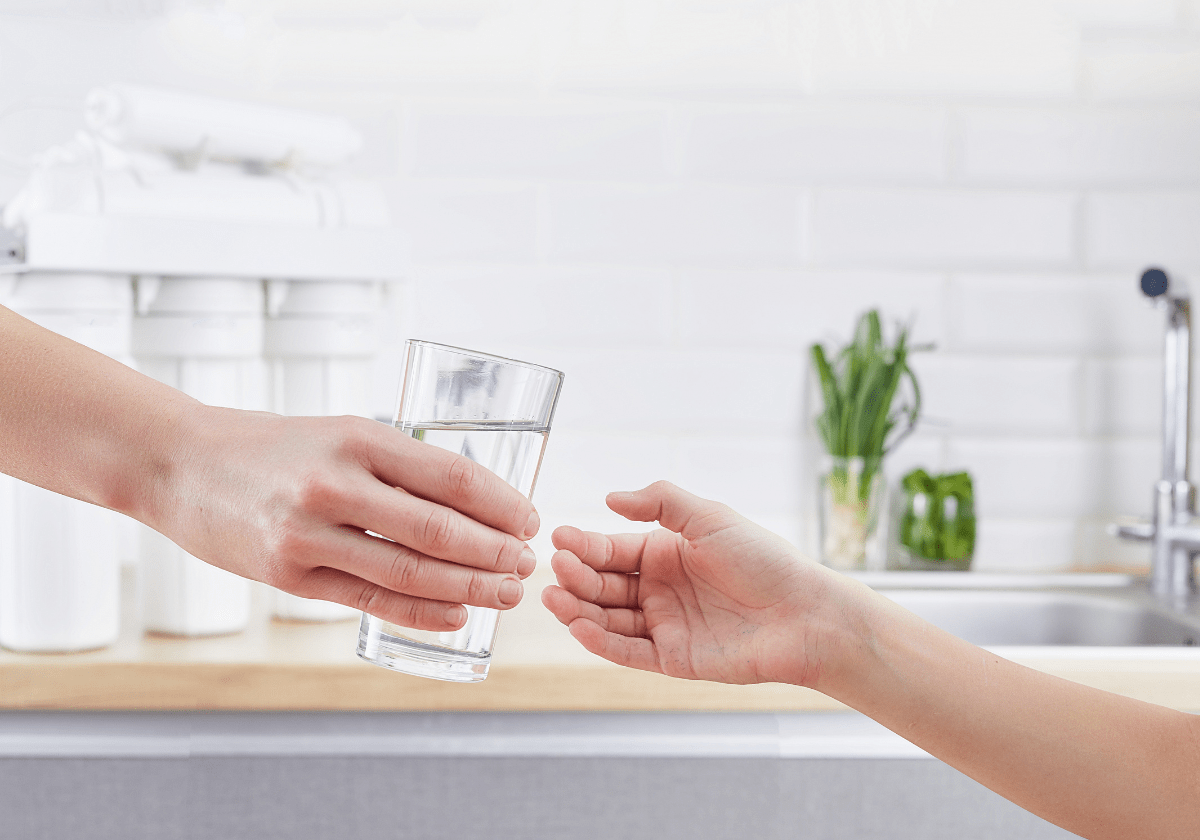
{"type": "Point", "coordinates": [538, 667]}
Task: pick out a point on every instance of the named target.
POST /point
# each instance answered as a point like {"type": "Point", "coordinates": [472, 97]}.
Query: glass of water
{"type": "Point", "coordinates": [496, 412]}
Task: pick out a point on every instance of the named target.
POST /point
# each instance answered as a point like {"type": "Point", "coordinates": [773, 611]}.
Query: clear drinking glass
{"type": "Point", "coordinates": [496, 412]}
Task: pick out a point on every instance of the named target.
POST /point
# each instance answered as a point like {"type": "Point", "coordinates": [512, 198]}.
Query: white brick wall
{"type": "Point", "coordinates": [948, 228]}
{"type": "Point", "coordinates": [1084, 147]}
{"type": "Point", "coordinates": [520, 141]}
{"type": "Point", "coordinates": [453, 222]}
{"type": "Point", "coordinates": [1052, 313]}
{"type": "Point", "coordinates": [845, 143]}
{"type": "Point", "coordinates": [792, 309]}
{"type": "Point", "coordinates": [687, 224]}
{"type": "Point", "coordinates": [672, 200]}
{"type": "Point", "coordinates": [1002, 395]}
{"type": "Point", "coordinates": [1131, 229]}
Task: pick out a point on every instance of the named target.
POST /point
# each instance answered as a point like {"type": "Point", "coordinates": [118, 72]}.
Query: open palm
{"type": "Point", "coordinates": [710, 596]}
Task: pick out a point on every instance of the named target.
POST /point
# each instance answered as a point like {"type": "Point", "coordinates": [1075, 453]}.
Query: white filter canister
{"type": "Point", "coordinates": [320, 343]}
{"type": "Point", "coordinates": [60, 584]}
{"type": "Point", "coordinates": [60, 558]}
{"type": "Point", "coordinates": [202, 336]}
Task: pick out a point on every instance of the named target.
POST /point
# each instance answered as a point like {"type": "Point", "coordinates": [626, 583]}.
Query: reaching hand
{"type": "Point", "coordinates": [712, 597]}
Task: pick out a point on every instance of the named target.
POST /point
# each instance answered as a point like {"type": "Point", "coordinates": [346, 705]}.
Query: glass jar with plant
{"type": "Point", "coordinates": [937, 521]}
{"type": "Point", "coordinates": [871, 402]}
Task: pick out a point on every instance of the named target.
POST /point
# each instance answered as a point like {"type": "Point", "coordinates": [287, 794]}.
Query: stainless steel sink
{"type": "Point", "coordinates": [1070, 610]}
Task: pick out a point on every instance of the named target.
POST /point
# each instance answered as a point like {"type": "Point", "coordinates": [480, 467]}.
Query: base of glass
{"type": "Point", "coordinates": [421, 660]}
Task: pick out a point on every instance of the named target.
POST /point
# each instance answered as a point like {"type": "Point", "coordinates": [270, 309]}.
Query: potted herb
{"type": "Point", "coordinates": [866, 414]}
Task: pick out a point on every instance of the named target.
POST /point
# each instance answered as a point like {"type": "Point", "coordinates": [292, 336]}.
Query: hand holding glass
{"type": "Point", "coordinates": [496, 412]}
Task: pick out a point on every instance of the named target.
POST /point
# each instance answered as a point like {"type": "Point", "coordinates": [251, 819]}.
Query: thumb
{"type": "Point", "coordinates": [666, 504]}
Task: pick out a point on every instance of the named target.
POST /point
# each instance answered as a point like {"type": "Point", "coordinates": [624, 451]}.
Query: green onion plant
{"type": "Point", "coordinates": [867, 412]}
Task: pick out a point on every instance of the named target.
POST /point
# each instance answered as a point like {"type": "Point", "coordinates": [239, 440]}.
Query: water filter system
{"type": "Point", "coordinates": [214, 246]}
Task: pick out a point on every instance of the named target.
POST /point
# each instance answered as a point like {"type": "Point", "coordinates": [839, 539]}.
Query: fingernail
{"type": "Point", "coordinates": [454, 615]}
{"type": "Point", "coordinates": [511, 591]}
{"type": "Point", "coordinates": [532, 525]}
{"type": "Point", "coordinates": [527, 562]}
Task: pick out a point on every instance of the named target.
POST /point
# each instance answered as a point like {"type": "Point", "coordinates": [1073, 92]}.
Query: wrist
{"type": "Point", "coordinates": [151, 488]}
{"type": "Point", "coordinates": [840, 636]}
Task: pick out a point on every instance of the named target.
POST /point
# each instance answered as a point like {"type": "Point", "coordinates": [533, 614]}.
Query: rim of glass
{"type": "Point", "coordinates": [462, 351]}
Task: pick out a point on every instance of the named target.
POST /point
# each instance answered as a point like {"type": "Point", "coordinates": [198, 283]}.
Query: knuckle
{"type": "Point", "coordinates": [508, 555]}
{"type": "Point", "coordinates": [282, 559]}
{"type": "Point", "coordinates": [349, 436]}
{"type": "Point", "coordinates": [405, 572]}
{"type": "Point", "coordinates": [369, 599]}
{"type": "Point", "coordinates": [411, 613]}
{"type": "Point", "coordinates": [479, 591]}
{"type": "Point", "coordinates": [315, 492]}
{"type": "Point", "coordinates": [464, 478]}
{"type": "Point", "coordinates": [438, 530]}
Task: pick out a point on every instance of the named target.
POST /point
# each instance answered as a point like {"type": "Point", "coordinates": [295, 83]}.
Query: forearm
{"type": "Point", "coordinates": [79, 423]}
{"type": "Point", "coordinates": [1098, 764]}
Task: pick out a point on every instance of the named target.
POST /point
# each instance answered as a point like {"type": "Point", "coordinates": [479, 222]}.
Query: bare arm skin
{"type": "Point", "coordinates": [712, 596]}
{"type": "Point", "coordinates": [283, 500]}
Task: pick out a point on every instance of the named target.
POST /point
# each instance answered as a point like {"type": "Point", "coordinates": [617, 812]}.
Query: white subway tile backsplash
{"type": "Point", "coordinates": [793, 309]}
{"type": "Point", "coordinates": [614, 389]}
{"type": "Point", "coordinates": [580, 469]}
{"type": "Point", "coordinates": [1029, 477]}
{"type": "Point", "coordinates": [1133, 466]}
{"type": "Point", "coordinates": [756, 475]}
{"type": "Point", "coordinates": [738, 393]}
{"type": "Point", "coordinates": [1121, 13]}
{"type": "Point", "coordinates": [683, 225]}
{"type": "Point", "coordinates": [820, 144]}
{"type": "Point", "coordinates": [1140, 146]}
{"type": "Point", "coordinates": [942, 227]}
{"type": "Point", "coordinates": [1024, 545]}
{"type": "Point", "coordinates": [544, 305]}
{"type": "Point", "coordinates": [673, 47]}
{"type": "Point", "coordinates": [468, 222]}
{"type": "Point", "coordinates": [474, 50]}
{"type": "Point", "coordinates": [1139, 229]}
{"type": "Point", "coordinates": [519, 141]}
{"type": "Point", "coordinates": [1070, 477]}
{"type": "Point", "coordinates": [1001, 395]}
{"type": "Point", "coordinates": [674, 392]}
{"type": "Point", "coordinates": [1123, 396]}
{"type": "Point", "coordinates": [1055, 313]}
{"type": "Point", "coordinates": [970, 47]}
{"type": "Point", "coordinates": [926, 448]}
{"type": "Point", "coordinates": [1155, 72]}
{"type": "Point", "coordinates": [1096, 548]}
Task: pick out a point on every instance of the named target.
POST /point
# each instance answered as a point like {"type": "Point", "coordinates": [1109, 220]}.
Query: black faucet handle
{"type": "Point", "coordinates": [1155, 282]}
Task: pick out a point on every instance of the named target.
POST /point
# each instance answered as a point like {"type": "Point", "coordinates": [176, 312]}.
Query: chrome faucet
{"type": "Point", "coordinates": [1174, 530]}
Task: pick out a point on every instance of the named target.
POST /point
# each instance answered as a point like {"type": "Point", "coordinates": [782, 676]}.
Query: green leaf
{"type": "Point", "coordinates": [860, 389]}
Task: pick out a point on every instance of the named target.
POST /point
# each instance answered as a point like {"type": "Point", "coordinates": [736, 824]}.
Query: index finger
{"type": "Point", "coordinates": [603, 552]}
{"type": "Point", "coordinates": [441, 476]}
